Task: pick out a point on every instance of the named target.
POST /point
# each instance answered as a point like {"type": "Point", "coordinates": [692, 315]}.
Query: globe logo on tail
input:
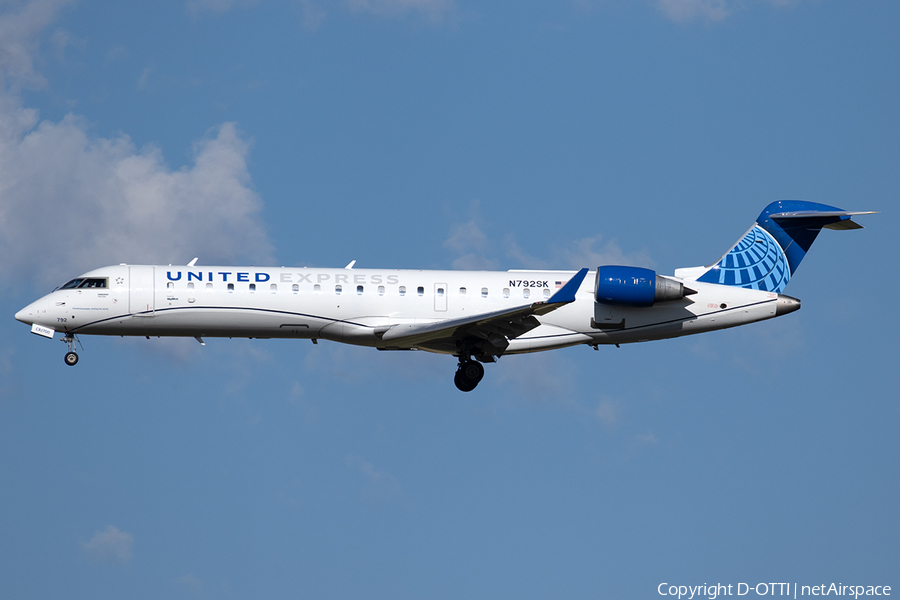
{"type": "Point", "coordinates": [756, 262]}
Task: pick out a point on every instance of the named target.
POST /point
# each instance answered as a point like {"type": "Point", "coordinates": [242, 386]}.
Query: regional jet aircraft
{"type": "Point", "coordinates": [476, 316]}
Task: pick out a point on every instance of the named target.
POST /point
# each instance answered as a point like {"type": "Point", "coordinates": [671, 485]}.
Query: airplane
{"type": "Point", "coordinates": [475, 316]}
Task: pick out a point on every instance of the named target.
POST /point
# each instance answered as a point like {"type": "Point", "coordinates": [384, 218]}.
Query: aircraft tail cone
{"type": "Point", "coordinates": [786, 304]}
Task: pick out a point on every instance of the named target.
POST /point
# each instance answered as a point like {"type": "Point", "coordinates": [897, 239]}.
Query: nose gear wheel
{"type": "Point", "coordinates": [71, 357]}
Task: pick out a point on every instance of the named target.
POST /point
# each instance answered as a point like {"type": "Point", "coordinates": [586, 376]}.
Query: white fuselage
{"type": "Point", "coordinates": [357, 305]}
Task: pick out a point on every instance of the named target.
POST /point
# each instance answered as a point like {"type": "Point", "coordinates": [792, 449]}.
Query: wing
{"type": "Point", "coordinates": [484, 335]}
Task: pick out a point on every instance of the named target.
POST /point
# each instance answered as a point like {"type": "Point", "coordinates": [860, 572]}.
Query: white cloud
{"type": "Point", "coordinates": [18, 33]}
{"type": "Point", "coordinates": [470, 242]}
{"type": "Point", "coordinates": [475, 246]}
{"type": "Point", "coordinates": [465, 236]}
{"type": "Point", "coordinates": [380, 486]}
{"type": "Point", "coordinates": [683, 11]}
{"type": "Point", "coordinates": [432, 11]}
{"type": "Point", "coordinates": [116, 53]}
{"type": "Point", "coordinates": [647, 438]}
{"type": "Point", "coordinates": [514, 251]}
{"type": "Point", "coordinates": [591, 252]}
{"type": "Point", "coordinates": [542, 378]}
{"type": "Point", "coordinates": [764, 348]}
{"type": "Point", "coordinates": [217, 6]}
{"type": "Point", "coordinates": [70, 202]}
{"type": "Point", "coordinates": [61, 40]}
{"type": "Point", "coordinates": [109, 545]}
{"type": "Point", "coordinates": [311, 15]}
{"type": "Point", "coordinates": [609, 410]}
{"type": "Point", "coordinates": [585, 252]}
{"type": "Point", "coordinates": [689, 10]}
{"type": "Point", "coordinates": [192, 583]}
{"type": "Point", "coordinates": [144, 80]}
{"type": "Point", "coordinates": [6, 360]}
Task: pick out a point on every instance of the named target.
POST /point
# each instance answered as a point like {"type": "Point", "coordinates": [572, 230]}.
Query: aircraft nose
{"type": "Point", "coordinates": [28, 314]}
{"type": "Point", "coordinates": [24, 315]}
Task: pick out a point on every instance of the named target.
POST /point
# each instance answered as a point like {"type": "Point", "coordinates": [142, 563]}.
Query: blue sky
{"type": "Point", "coordinates": [447, 134]}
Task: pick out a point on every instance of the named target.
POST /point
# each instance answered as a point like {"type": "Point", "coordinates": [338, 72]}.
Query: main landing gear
{"type": "Point", "coordinates": [71, 357]}
{"type": "Point", "coordinates": [468, 374]}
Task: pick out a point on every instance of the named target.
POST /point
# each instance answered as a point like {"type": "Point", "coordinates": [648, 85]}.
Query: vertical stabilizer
{"type": "Point", "coordinates": [767, 256]}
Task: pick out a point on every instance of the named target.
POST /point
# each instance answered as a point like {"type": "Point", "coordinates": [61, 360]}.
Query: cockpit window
{"type": "Point", "coordinates": [93, 283]}
{"type": "Point", "coordinates": [85, 283]}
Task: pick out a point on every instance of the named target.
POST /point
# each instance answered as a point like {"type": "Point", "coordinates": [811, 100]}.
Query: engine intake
{"type": "Point", "coordinates": [635, 286]}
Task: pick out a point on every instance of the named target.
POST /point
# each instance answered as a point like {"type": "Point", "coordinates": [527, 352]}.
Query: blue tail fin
{"type": "Point", "coordinates": [767, 255]}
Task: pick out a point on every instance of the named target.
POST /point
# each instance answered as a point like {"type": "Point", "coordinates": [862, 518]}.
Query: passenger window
{"type": "Point", "coordinates": [462, 291]}
{"type": "Point", "coordinates": [402, 290]}
{"type": "Point", "coordinates": [252, 288]}
{"type": "Point", "coordinates": [484, 292]}
{"type": "Point", "coordinates": [359, 290]}
{"type": "Point", "coordinates": [170, 285]}
{"type": "Point", "coordinates": [546, 293]}
{"type": "Point", "coordinates": [316, 288]}
{"type": "Point", "coordinates": [230, 287]}
{"type": "Point", "coordinates": [191, 285]}
{"type": "Point", "coordinates": [526, 293]}
{"type": "Point", "coordinates": [296, 288]}
{"type": "Point", "coordinates": [440, 292]}
{"type": "Point", "coordinates": [338, 289]}
{"type": "Point", "coordinates": [506, 292]}
{"type": "Point", "coordinates": [273, 288]}
{"type": "Point", "coordinates": [208, 287]}
{"type": "Point", "coordinates": [381, 290]}
{"type": "Point", "coordinates": [420, 290]}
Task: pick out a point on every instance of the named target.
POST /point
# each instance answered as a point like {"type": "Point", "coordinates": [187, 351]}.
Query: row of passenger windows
{"type": "Point", "coordinates": [360, 290]}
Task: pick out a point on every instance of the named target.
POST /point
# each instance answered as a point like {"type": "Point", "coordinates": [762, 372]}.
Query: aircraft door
{"type": "Point", "coordinates": [141, 291]}
{"type": "Point", "coordinates": [440, 297]}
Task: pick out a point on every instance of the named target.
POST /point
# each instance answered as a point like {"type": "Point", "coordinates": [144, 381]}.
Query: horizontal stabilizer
{"type": "Point", "coordinates": [821, 214]}
{"type": "Point", "coordinates": [827, 219]}
{"type": "Point", "coordinates": [843, 225]}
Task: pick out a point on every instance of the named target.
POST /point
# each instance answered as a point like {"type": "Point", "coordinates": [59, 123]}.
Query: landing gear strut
{"type": "Point", "coordinates": [71, 357]}
{"type": "Point", "coordinates": [468, 374]}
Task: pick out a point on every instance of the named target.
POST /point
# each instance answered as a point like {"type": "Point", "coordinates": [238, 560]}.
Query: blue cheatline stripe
{"type": "Point", "coordinates": [192, 308]}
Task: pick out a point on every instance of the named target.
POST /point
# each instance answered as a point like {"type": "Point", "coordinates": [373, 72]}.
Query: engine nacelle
{"type": "Point", "coordinates": [634, 286]}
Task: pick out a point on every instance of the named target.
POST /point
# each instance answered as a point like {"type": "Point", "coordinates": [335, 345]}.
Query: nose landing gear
{"type": "Point", "coordinates": [71, 357]}
{"type": "Point", "coordinates": [468, 375]}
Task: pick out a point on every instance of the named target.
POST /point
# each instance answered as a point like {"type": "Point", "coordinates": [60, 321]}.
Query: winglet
{"type": "Point", "coordinates": [193, 262]}
{"type": "Point", "coordinates": [566, 293]}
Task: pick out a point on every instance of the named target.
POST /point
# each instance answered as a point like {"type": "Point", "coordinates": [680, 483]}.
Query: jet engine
{"type": "Point", "coordinates": [634, 286]}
